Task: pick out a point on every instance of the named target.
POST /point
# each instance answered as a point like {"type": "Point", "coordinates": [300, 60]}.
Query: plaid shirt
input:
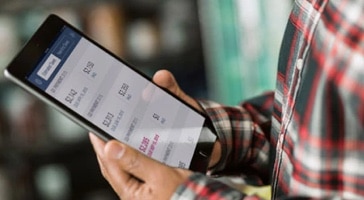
{"type": "Point", "coordinates": [314, 121]}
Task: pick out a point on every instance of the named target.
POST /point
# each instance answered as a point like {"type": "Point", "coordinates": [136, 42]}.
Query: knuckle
{"type": "Point", "coordinates": [133, 163]}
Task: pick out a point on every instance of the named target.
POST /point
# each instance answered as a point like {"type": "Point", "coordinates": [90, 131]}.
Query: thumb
{"type": "Point", "coordinates": [165, 79]}
{"type": "Point", "coordinates": [130, 161]}
{"type": "Point", "coordinates": [136, 176]}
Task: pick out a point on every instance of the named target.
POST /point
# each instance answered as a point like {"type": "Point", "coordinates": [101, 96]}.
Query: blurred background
{"type": "Point", "coordinates": [224, 50]}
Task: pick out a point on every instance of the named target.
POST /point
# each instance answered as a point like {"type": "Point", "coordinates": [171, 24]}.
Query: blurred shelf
{"type": "Point", "coordinates": [24, 5]}
{"type": "Point", "coordinates": [23, 153]}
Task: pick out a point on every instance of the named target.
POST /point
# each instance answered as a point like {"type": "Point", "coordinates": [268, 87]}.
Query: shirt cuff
{"type": "Point", "coordinates": [199, 186]}
{"type": "Point", "coordinates": [213, 111]}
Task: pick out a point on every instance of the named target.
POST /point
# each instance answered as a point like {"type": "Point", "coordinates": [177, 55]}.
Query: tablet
{"type": "Point", "coordinates": [109, 97]}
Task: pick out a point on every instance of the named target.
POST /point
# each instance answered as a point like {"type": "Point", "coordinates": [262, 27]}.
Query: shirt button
{"type": "Point", "coordinates": [299, 64]}
{"type": "Point", "coordinates": [281, 138]}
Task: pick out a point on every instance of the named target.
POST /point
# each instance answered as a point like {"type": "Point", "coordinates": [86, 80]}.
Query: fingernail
{"type": "Point", "coordinates": [115, 150]}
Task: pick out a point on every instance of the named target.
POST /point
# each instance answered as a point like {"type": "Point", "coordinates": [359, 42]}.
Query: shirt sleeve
{"type": "Point", "coordinates": [244, 134]}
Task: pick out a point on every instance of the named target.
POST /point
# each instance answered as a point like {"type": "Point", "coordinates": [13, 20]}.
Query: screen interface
{"type": "Point", "coordinates": [116, 99]}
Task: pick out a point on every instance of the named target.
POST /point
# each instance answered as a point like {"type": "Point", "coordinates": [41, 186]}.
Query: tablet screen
{"type": "Point", "coordinates": [117, 99]}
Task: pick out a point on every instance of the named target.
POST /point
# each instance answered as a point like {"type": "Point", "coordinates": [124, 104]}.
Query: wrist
{"type": "Point", "coordinates": [216, 154]}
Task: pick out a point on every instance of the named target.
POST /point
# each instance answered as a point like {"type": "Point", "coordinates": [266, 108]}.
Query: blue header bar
{"type": "Point", "coordinates": [54, 58]}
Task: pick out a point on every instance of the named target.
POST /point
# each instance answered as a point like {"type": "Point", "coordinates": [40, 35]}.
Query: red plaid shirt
{"type": "Point", "coordinates": [314, 121]}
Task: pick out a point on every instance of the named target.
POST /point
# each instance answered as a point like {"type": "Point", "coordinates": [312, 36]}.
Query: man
{"type": "Point", "coordinates": [314, 121]}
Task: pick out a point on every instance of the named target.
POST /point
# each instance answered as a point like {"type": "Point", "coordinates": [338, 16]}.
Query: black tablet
{"type": "Point", "coordinates": [109, 97]}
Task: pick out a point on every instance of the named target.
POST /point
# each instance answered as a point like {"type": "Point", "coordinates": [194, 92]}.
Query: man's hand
{"type": "Point", "coordinates": [136, 176]}
{"type": "Point", "coordinates": [166, 80]}
{"type": "Point", "coordinates": [132, 175]}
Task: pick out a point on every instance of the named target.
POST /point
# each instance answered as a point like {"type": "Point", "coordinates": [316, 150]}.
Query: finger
{"type": "Point", "coordinates": [97, 144]}
{"type": "Point", "coordinates": [124, 181]}
{"type": "Point", "coordinates": [132, 161]}
{"type": "Point", "coordinates": [109, 168]}
{"type": "Point", "coordinates": [103, 170]}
